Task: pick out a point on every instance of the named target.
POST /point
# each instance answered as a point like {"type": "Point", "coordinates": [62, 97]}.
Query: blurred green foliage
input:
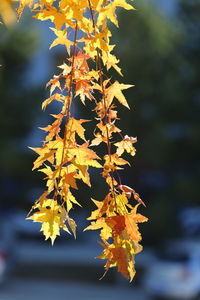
{"type": "Point", "coordinates": [19, 107]}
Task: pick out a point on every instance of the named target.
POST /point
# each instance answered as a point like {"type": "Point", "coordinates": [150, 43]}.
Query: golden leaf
{"type": "Point", "coordinates": [115, 91]}
{"type": "Point", "coordinates": [50, 216]}
{"type": "Point", "coordinates": [61, 39]}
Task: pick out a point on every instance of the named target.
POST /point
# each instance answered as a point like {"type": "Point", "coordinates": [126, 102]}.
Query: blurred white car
{"type": "Point", "coordinates": [176, 272]}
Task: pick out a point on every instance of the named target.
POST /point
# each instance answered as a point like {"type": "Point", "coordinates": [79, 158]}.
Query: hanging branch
{"type": "Point", "coordinates": [62, 159]}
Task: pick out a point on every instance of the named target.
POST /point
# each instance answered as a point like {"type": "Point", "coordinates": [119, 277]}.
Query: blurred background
{"type": "Point", "coordinates": [159, 49]}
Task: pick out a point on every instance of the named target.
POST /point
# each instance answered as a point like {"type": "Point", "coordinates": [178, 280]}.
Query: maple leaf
{"type": "Point", "coordinates": [118, 256]}
{"type": "Point", "coordinates": [69, 197]}
{"type": "Point", "coordinates": [44, 154]}
{"type": "Point", "coordinates": [84, 89]}
{"type": "Point", "coordinates": [51, 176]}
{"type": "Point", "coordinates": [80, 62]}
{"type": "Point", "coordinates": [112, 163]}
{"type": "Point", "coordinates": [115, 91]}
{"type": "Point", "coordinates": [114, 159]}
{"type": "Point", "coordinates": [66, 69]}
{"type": "Point", "coordinates": [98, 139]}
{"type": "Point", "coordinates": [61, 39]}
{"type": "Point", "coordinates": [131, 221]}
{"type": "Point", "coordinates": [121, 203]}
{"type": "Point", "coordinates": [53, 129]}
{"type": "Point", "coordinates": [109, 11]}
{"type": "Point", "coordinates": [69, 179]}
{"type": "Point", "coordinates": [107, 130]}
{"type": "Point", "coordinates": [96, 213]}
{"type": "Point", "coordinates": [85, 156]}
{"type": "Point", "coordinates": [103, 207]}
{"type": "Point", "coordinates": [117, 223]}
{"type": "Point", "coordinates": [126, 222]}
{"type": "Point", "coordinates": [101, 224]}
{"type": "Point", "coordinates": [58, 97]}
{"type": "Point", "coordinates": [75, 126]}
{"type": "Point", "coordinates": [58, 18]}
{"type": "Point", "coordinates": [96, 42]}
{"type": "Point", "coordinates": [126, 145]}
{"type": "Point", "coordinates": [39, 202]}
{"type": "Point", "coordinates": [110, 60]}
{"type": "Point", "coordinates": [50, 217]}
{"type": "Point", "coordinates": [55, 83]}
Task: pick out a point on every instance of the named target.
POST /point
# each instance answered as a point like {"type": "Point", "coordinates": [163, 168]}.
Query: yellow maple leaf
{"type": "Point", "coordinates": [51, 176]}
{"type": "Point", "coordinates": [61, 39]}
{"type": "Point", "coordinates": [54, 83]}
{"type": "Point", "coordinates": [84, 156]}
{"type": "Point", "coordinates": [108, 11]}
{"type": "Point", "coordinates": [44, 154]}
{"type": "Point", "coordinates": [98, 139]}
{"type": "Point", "coordinates": [115, 91]}
{"type": "Point", "coordinates": [106, 231]}
{"type": "Point", "coordinates": [74, 125]}
{"type": "Point", "coordinates": [56, 17]}
{"type": "Point", "coordinates": [57, 97]}
{"type": "Point", "coordinates": [84, 89]}
{"type": "Point", "coordinates": [103, 207]}
{"type": "Point", "coordinates": [68, 197]}
{"type": "Point", "coordinates": [121, 202]}
{"type": "Point", "coordinates": [110, 60]}
{"type": "Point", "coordinates": [114, 159]}
{"type": "Point", "coordinates": [49, 215]}
{"type": "Point", "coordinates": [107, 130]}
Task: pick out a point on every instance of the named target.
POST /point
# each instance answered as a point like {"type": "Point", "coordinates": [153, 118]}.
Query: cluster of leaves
{"type": "Point", "coordinates": [65, 155]}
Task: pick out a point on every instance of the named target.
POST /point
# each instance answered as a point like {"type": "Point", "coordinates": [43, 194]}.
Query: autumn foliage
{"type": "Point", "coordinates": [66, 156]}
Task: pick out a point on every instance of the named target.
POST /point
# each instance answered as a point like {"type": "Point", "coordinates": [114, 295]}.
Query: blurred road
{"type": "Point", "coordinates": [30, 289]}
